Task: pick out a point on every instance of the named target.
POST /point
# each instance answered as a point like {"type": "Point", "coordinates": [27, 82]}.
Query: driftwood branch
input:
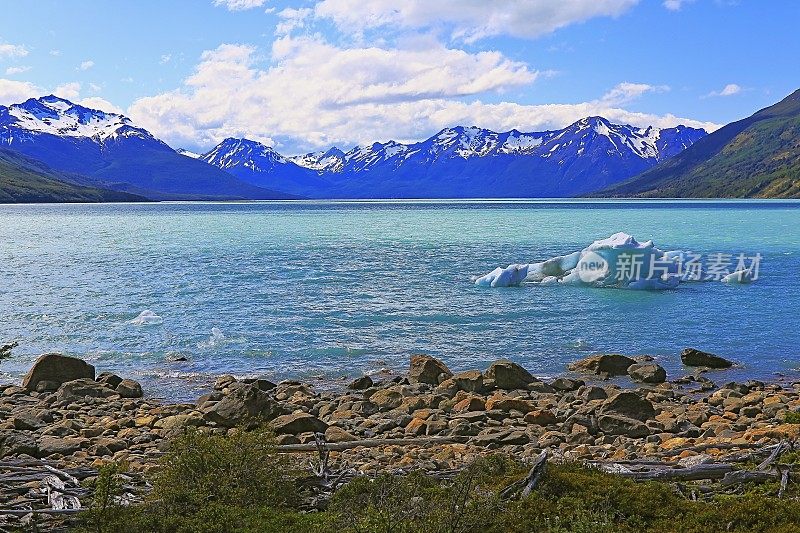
{"type": "Point", "coordinates": [526, 485]}
{"type": "Point", "coordinates": [368, 443]}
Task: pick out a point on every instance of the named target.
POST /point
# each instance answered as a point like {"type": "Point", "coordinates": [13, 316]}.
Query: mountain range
{"type": "Point", "coordinates": [464, 162]}
{"type": "Point", "coordinates": [54, 150]}
{"type": "Point", "coordinates": [110, 152]}
{"type": "Point", "coordinates": [758, 156]}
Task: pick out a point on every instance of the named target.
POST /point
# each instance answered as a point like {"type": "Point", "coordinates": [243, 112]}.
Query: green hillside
{"type": "Point", "coordinates": [25, 180]}
{"type": "Point", "coordinates": [757, 157]}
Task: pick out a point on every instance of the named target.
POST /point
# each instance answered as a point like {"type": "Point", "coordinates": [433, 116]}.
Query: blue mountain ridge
{"type": "Point", "coordinates": [463, 162]}
{"type": "Point", "coordinates": [110, 152]}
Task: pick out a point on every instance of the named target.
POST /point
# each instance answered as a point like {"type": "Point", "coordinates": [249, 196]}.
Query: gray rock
{"type": "Point", "coordinates": [610, 364]}
{"type": "Point", "coordinates": [509, 375]}
{"type": "Point", "coordinates": [108, 379]}
{"type": "Point", "coordinates": [296, 423]}
{"type": "Point", "coordinates": [79, 389]}
{"type": "Point", "coordinates": [647, 373]}
{"type": "Point", "coordinates": [49, 445]}
{"type": "Point", "coordinates": [427, 369]}
{"type": "Point", "coordinates": [362, 383]}
{"type": "Point", "coordinates": [612, 424]}
{"type": "Point", "coordinates": [128, 388]}
{"type": "Point", "coordinates": [694, 357]}
{"type": "Point", "coordinates": [628, 404]}
{"type": "Point", "coordinates": [18, 442]}
{"type": "Point", "coordinates": [260, 383]}
{"type": "Point", "coordinates": [243, 403]}
{"type": "Point", "coordinates": [469, 381]}
{"type": "Point", "coordinates": [567, 384]}
{"type": "Point", "coordinates": [57, 368]}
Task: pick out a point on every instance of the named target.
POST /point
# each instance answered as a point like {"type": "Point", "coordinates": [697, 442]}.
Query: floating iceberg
{"type": "Point", "coordinates": [739, 277]}
{"type": "Point", "coordinates": [147, 317]}
{"type": "Point", "coordinates": [619, 261]}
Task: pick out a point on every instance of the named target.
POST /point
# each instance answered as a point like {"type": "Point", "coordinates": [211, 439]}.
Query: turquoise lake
{"type": "Point", "coordinates": [328, 290]}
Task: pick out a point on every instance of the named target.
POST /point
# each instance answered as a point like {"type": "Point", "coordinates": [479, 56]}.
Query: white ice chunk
{"type": "Point", "coordinates": [147, 317]}
{"type": "Point", "coordinates": [739, 277]}
{"type": "Point", "coordinates": [511, 276]}
{"type": "Point", "coordinates": [618, 261]}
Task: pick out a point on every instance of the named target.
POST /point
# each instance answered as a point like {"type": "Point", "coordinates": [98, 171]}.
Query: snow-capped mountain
{"type": "Point", "coordinates": [465, 162]}
{"type": "Point", "coordinates": [108, 150]}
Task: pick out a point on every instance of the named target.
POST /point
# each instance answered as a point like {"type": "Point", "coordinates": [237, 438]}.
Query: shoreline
{"type": "Point", "coordinates": [89, 421]}
{"type": "Point", "coordinates": [67, 416]}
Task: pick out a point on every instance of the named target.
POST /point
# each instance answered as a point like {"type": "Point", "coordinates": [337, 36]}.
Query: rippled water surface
{"type": "Point", "coordinates": [333, 289]}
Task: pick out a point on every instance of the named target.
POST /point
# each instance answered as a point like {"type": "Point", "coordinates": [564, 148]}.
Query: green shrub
{"type": "Point", "coordinates": [792, 417]}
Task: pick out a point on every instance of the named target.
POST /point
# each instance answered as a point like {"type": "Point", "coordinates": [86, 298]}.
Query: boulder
{"type": "Point", "coordinates": [243, 403]}
{"type": "Point", "coordinates": [337, 434]}
{"type": "Point", "coordinates": [57, 368]}
{"type": "Point", "coordinates": [364, 382]}
{"type": "Point", "coordinates": [79, 389]}
{"type": "Point", "coordinates": [609, 364]}
{"type": "Point", "coordinates": [297, 423]}
{"type": "Point", "coordinates": [469, 381]}
{"type": "Point", "coordinates": [567, 384]}
{"type": "Point", "coordinates": [647, 373]}
{"type": "Point", "coordinates": [694, 357]}
{"type": "Point", "coordinates": [504, 403]}
{"type": "Point", "coordinates": [108, 379]}
{"type": "Point", "coordinates": [260, 383]}
{"type": "Point", "coordinates": [509, 375]}
{"type": "Point", "coordinates": [628, 404]}
{"type": "Point", "coordinates": [387, 399]}
{"type": "Point", "coordinates": [427, 369]}
{"type": "Point", "coordinates": [127, 388]}
{"type": "Point", "coordinates": [18, 442]}
{"type": "Point", "coordinates": [49, 445]}
{"type": "Point", "coordinates": [540, 417]}
{"type": "Point", "coordinates": [622, 425]}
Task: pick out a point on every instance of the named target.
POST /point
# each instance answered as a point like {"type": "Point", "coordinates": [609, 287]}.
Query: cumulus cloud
{"type": "Point", "coordinates": [12, 91]}
{"type": "Point", "coordinates": [675, 5]}
{"type": "Point", "coordinates": [239, 5]}
{"type": "Point", "coordinates": [468, 20]}
{"type": "Point", "coordinates": [15, 92]}
{"type": "Point", "coordinates": [315, 94]}
{"type": "Point", "coordinates": [12, 50]}
{"type": "Point", "coordinates": [626, 92]}
{"type": "Point", "coordinates": [16, 70]}
{"type": "Point", "coordinates": [728, 90]}
{"type": "Point", "coordinates": [86, 65]}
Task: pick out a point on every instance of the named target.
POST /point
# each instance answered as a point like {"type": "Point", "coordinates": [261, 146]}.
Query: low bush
{"type": "Point", "coordinates": [239, 483]}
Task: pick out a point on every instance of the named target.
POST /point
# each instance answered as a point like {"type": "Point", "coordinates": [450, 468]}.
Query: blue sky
{"type": "Point", "coordinates": [307, 74]}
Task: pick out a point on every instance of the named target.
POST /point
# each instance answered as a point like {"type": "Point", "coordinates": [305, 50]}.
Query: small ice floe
{"type": "Point", "coordinates": [511, 276]}
{"type": "Point", "coordinates": [217, 338]}
{"type": "Point", "coordinates": [147, 318]}
{"type": "Point", "coordinates": [619, 261]}
{"type": "Point", "coordinates": [740, 277]}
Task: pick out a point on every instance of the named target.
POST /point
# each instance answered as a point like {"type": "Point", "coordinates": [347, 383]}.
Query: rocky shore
{"type": "Point", "coordinates": [70, 416]}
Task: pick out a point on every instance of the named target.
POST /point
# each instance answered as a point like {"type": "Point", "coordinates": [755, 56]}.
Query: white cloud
{"type": "Point", "coordinates": [13, 92]}
{"type": "Point", "coordinates": [626, 92]}
{"type": "Point", "coordinates": [16, 70]}
{"type": "Point", "coordinates": [315, 94]}
{"type": "Point", "coordinates": [95, 102]}
{"type": "Point", "coordinates": [728, 90]}
{"type": "Point", "coordinates": [86, 65]}
{"type": "Point", "coordinates": [166, 58]}
{"type": "Point", "coordinates": [239, 5]}
{"type": "Point", "coordinates": [676, 5]}
{"type": "Point", "coordinates": [292, 19]}
{"type": "Point", "coordinates": [71, 91]}
{"type": "Point", "coordinates": [468, 20]}
{"type": "Point", "coordinates": [55, 52]}
{"type": "Point", "coordinates": [12, 50]}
